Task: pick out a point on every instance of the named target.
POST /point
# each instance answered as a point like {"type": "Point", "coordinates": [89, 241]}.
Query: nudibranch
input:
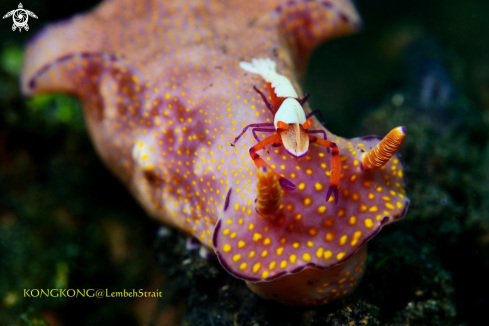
{"type": "Point", "coordinates": [164, 96]}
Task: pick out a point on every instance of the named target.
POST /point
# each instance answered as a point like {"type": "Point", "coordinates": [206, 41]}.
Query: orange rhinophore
{"type": "Point", "coordinates": [385, 149]}
{"type": "Point", "coordinates": [289, 122]}
{"type": "Point", "coordinates": [269, 192]}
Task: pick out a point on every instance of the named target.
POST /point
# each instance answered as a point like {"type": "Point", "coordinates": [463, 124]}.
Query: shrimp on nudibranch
{"type": "Point", "coordinates": [290, 123]}
{"type": "Point", "coordinates": [164, 96]}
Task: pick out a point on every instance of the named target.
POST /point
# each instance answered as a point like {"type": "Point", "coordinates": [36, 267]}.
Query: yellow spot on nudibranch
{"type": "Point", "coordinates": [356, 237]}
{"type": "Point", "coordinates": [367, 184]}
{"type": "Point", "coordinates": [226, 248]}
{"type": "Point", "coordinates": [352, 220]}
{"type": "Point", "coordinates": [373, 209]}
{"type": "Point", "coordinates": [293, 258]}
{"type": "Point", "coordinates": [329, 236]}
{"type": "Point", "coordinates": [279, 251]}
{"type": "Point", "coordinates": [312, 232]}
{"type": "Point", "coordinates": [328, 254]}
{"type": "Point", "coordinates": [306, 257]}
{"type": "Point", "coordinates": [256, 267]}
{"type": "Point", "coordinates": [319, 252]}
{"type": "Point", "coordinates": [257, 236]}
{"type": "Point", "coordinates": [369, 223]}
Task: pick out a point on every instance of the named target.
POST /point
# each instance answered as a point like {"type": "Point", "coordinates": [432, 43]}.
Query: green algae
{"type": "Point", "coordinates": [11, 60]}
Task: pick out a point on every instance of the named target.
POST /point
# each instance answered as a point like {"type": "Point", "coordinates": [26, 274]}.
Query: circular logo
{"type": "Point", "coordinates": [20, 18]}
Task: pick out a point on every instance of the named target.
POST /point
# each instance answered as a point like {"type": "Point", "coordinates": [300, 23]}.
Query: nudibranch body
{"type": "Point", "coordinates": [164, 97]}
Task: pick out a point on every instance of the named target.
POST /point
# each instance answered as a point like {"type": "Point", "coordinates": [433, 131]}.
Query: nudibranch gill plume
{"type": "Point", "coordinates": [164, 96]}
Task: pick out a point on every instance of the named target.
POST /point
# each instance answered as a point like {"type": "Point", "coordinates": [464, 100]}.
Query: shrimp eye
{"type": "Point", "coordinates": [307, 124]}
{"type": "Point", "coordinates": [282, 125]}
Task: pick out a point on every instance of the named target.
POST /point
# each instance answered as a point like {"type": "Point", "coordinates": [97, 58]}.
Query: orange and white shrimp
{"type": "Point", "coordinates": [291, 124]}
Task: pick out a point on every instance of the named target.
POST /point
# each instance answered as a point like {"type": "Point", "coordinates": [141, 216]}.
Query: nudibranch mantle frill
{"type": "Point", "coordinates": [163, 98]}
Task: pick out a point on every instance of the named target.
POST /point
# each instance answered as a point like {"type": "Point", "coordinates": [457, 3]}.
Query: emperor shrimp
{"type": "Point", "coordinates": [290, 124]}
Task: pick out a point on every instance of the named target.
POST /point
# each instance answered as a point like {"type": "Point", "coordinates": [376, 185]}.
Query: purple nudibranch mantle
{"type": "Point", "coordinates": [164, 97]}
